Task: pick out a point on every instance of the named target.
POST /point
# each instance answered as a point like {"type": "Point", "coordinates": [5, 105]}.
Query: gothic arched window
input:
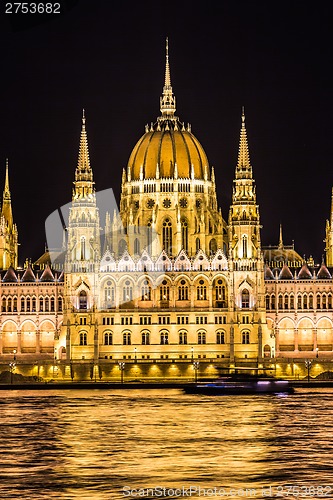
{"type": "Point", "coordinates": [201, 291]}
{"type": "Point", "coordinates": [146, 291]}
{"type": "Point", "coordinates": [245, 299]}
{"type": "Point", "coordinates": [83, 338]}
{"type": "Point", "coordinates": [183, 291]}
{"type": "Point", "coordinates": [164, 290]}
{"type": "Point", "coordinates": [167, 236]}
{"type": "Point", "coordinates": [109, 294]}
{"type": "Point", "coordinates": [83, 300]}
{"type": "Point", "coordinates": [127, 292]}
{"type": "Point", "coordinates": [184, 229]}
{"type": "Point", "coordinates": [83, 248]}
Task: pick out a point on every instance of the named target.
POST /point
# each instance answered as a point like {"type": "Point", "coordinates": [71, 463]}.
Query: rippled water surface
{"type": "Point", "coordinates": [99, 444]}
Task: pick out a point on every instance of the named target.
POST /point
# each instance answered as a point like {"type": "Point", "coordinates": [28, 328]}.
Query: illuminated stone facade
{"type": "Point", "coordinates": [170, 282]}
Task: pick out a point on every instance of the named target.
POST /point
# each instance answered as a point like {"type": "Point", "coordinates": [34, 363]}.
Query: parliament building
{"type": "Point", "coordinates": [171, 288]}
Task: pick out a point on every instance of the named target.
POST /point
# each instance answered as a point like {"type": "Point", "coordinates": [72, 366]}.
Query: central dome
{"type": "Point", "coordinates": [170, 149]}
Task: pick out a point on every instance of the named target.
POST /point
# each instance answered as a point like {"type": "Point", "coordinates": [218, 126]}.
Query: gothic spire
{"type": "Point", "coordinates": [83, 170]}
{"type": "Point", "coordinates": [168, 100]}
{"type": "Point", "coordinates": [6, 211]}
{"type": "Point", "coordinates": [243, 169]}
{"type": "Point", "coordinates": [280, 238]}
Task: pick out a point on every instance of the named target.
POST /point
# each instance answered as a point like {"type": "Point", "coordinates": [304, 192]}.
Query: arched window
{"type": "Point", "coordinates": [305, 301]}
{"type": "Point", "coordinates": [27, 303]}
{"type": "Point", "coordinates": [149, 236]}
{"type": "Point", "coordinates": [83, 338]}
{"type": "Point", "coordinates": [83, 300]}
{"type": "Point", "coordinates": [220, 294]}
{"type": "Point", "coordinates": [324, 301]}
{"type": "Point", "coordinates": [15, 304]}
{"type": "Point", "coordinates": [299, 301]}
{"type": "Point", "coordinates": [47, 304]}
{"type": "Point", "coordinates": [41, 304]}
{"type": "Point", "coordinates": [183, 337]}
{"type": "Point", "coordinates": [121, 247]}
{"type": "Point", "coordinates": [164, 338]}
{"type": "Point", "coordinates": [3, 304]}
{"type": "Point", "coordinates": [184, 229]}
{"type": "Point", "coordinates": [220, 337]}
{"type": "Point", "coordinates": [167, 236]}
{"type": "Point", "coordinates": [268, 306]}
{"type": "Point", "coordinates": [201, 291]}
{"type": "Point", "coordinates": [164, 291]}
{"type": "Point", "coordinates": [146, 291]}
{"type": "Point", "coordinates": [183, 291]}
{"type": "Point", "coordinates": [126, 338]}
{"type": "Point", "coordinates": [136, 246]}
{"type": "Point", "coordinates": [292, 301]}
{"type": "Point", "coordinates": [127, 292]}
{"type": "Point", "coordinates": [108, 338]}
{"type": "Point", "coordinates": [52, 304]}
{"type": "Point", "coordinates": [109, 294]}
{"type": "Point", "coordinates": [201, 337]}
{"type": "Point", "coordinates": [59, 304]}
{"type": "Point", "coordinates": [197, 244]}
{"type": "Point", "coordinates": [245, 337]}
{"type": "Point", "coordinates": [286, 302]}
{"type": "Point", "coordinates": [245, 299]}
{"type": "Point", "coordinates": [329, 304]}
{"type": "Point", "coordinates": [244, 247]}
{"type": "Point", "coordinates": [83, 248]}
{"type": "Point", "coordinates": [318, 301]}
{"type": "Point", "coordinates": [145, 338]}
{"type": "Point", "coordinates": [280, 302]}
{"type": "Point", "coordinates": [9, 305]}
{"type": "Point", "coordinates": [273, 301]}
{"type": "Point", "coordinates": [212, 246]}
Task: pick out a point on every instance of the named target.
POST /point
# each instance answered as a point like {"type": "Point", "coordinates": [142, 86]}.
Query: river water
{"type": "Point", "coordinates": [100, 444]}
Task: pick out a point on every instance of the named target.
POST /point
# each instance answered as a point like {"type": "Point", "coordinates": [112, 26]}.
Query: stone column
{"type": "Point", "coordinates": [96, 351]}
{"type": "Point", "coordinates": [232, 345]}
{"type": "Point", "coordinates": [296, 339]}
{"type": "Point", "coordinates": [68, 342]}
{"type": "Point", "coordinates": [37, 341]}
{"type": "Point", "coordinates": [19, 342]}
{"type": "Point", "coordinates": [259, 343]}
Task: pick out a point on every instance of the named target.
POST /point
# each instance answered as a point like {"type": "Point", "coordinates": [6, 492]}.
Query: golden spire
{"type": "Point", "coordinates": [280, 238]}
{"type": "Point", "coordinates": [6, 211]}
{"type": "Point", "coordinates": [243, 169]}
{"type": "Point", "coordinates": [168, 100]}
{"type": "Point", "coordinates": [83, 170]}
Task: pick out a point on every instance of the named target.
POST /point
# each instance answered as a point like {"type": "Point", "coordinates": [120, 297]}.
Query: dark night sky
{"type": "Point", "coordinates": [275, 58]}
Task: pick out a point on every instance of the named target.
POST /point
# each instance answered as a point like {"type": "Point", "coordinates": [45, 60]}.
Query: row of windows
{"type": "Point", "coordinates": [164, 338]}
{"type": "Point", "coordinates": [303, 301]}
{"type": "Point", "coordinates": [166, 320]}
{"type": "Point", "coordinates": [30, 304]}
{"type": "Point", "coordinates": [219, 293]}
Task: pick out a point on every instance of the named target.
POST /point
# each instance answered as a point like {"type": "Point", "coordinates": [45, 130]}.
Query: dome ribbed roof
{"type": "Point", "coordinates": [166, 144]}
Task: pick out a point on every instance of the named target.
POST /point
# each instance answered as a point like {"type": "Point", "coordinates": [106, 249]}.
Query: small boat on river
{"type": "Point", "coordinates": [235, 385]}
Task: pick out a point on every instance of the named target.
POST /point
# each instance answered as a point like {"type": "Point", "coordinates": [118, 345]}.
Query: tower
{"type": "Point", "coordinates": [82, 258]}
{"type": "Point", "coordinates": [245, 257]}
{"type": "Point", "coordinates": [8, 230]}
{"type": "Point", "coordinates": [329, 238]}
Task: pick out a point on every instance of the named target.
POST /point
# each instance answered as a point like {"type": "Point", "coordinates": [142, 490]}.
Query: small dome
{"type": "Point", "coordinates": [28, 275]}
{"type": "Point", "coordinates": [47, 274]}
{"type": "Point", "coordinates": [304, 273]}
{"type": "Point", "coordinates": [285, 273]}
{"type": "Point", "coordinates": [268, 273]}
{"type": "Point", "coordinates": [323, 273]}
{"type": "Point", "coordinates": [166, 144]}
{"type": "Point", "coordinates": [10, 276]}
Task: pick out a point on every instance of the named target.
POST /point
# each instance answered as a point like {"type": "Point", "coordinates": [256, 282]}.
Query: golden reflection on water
{"type": "Point", "coordinates": [91, 444]}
